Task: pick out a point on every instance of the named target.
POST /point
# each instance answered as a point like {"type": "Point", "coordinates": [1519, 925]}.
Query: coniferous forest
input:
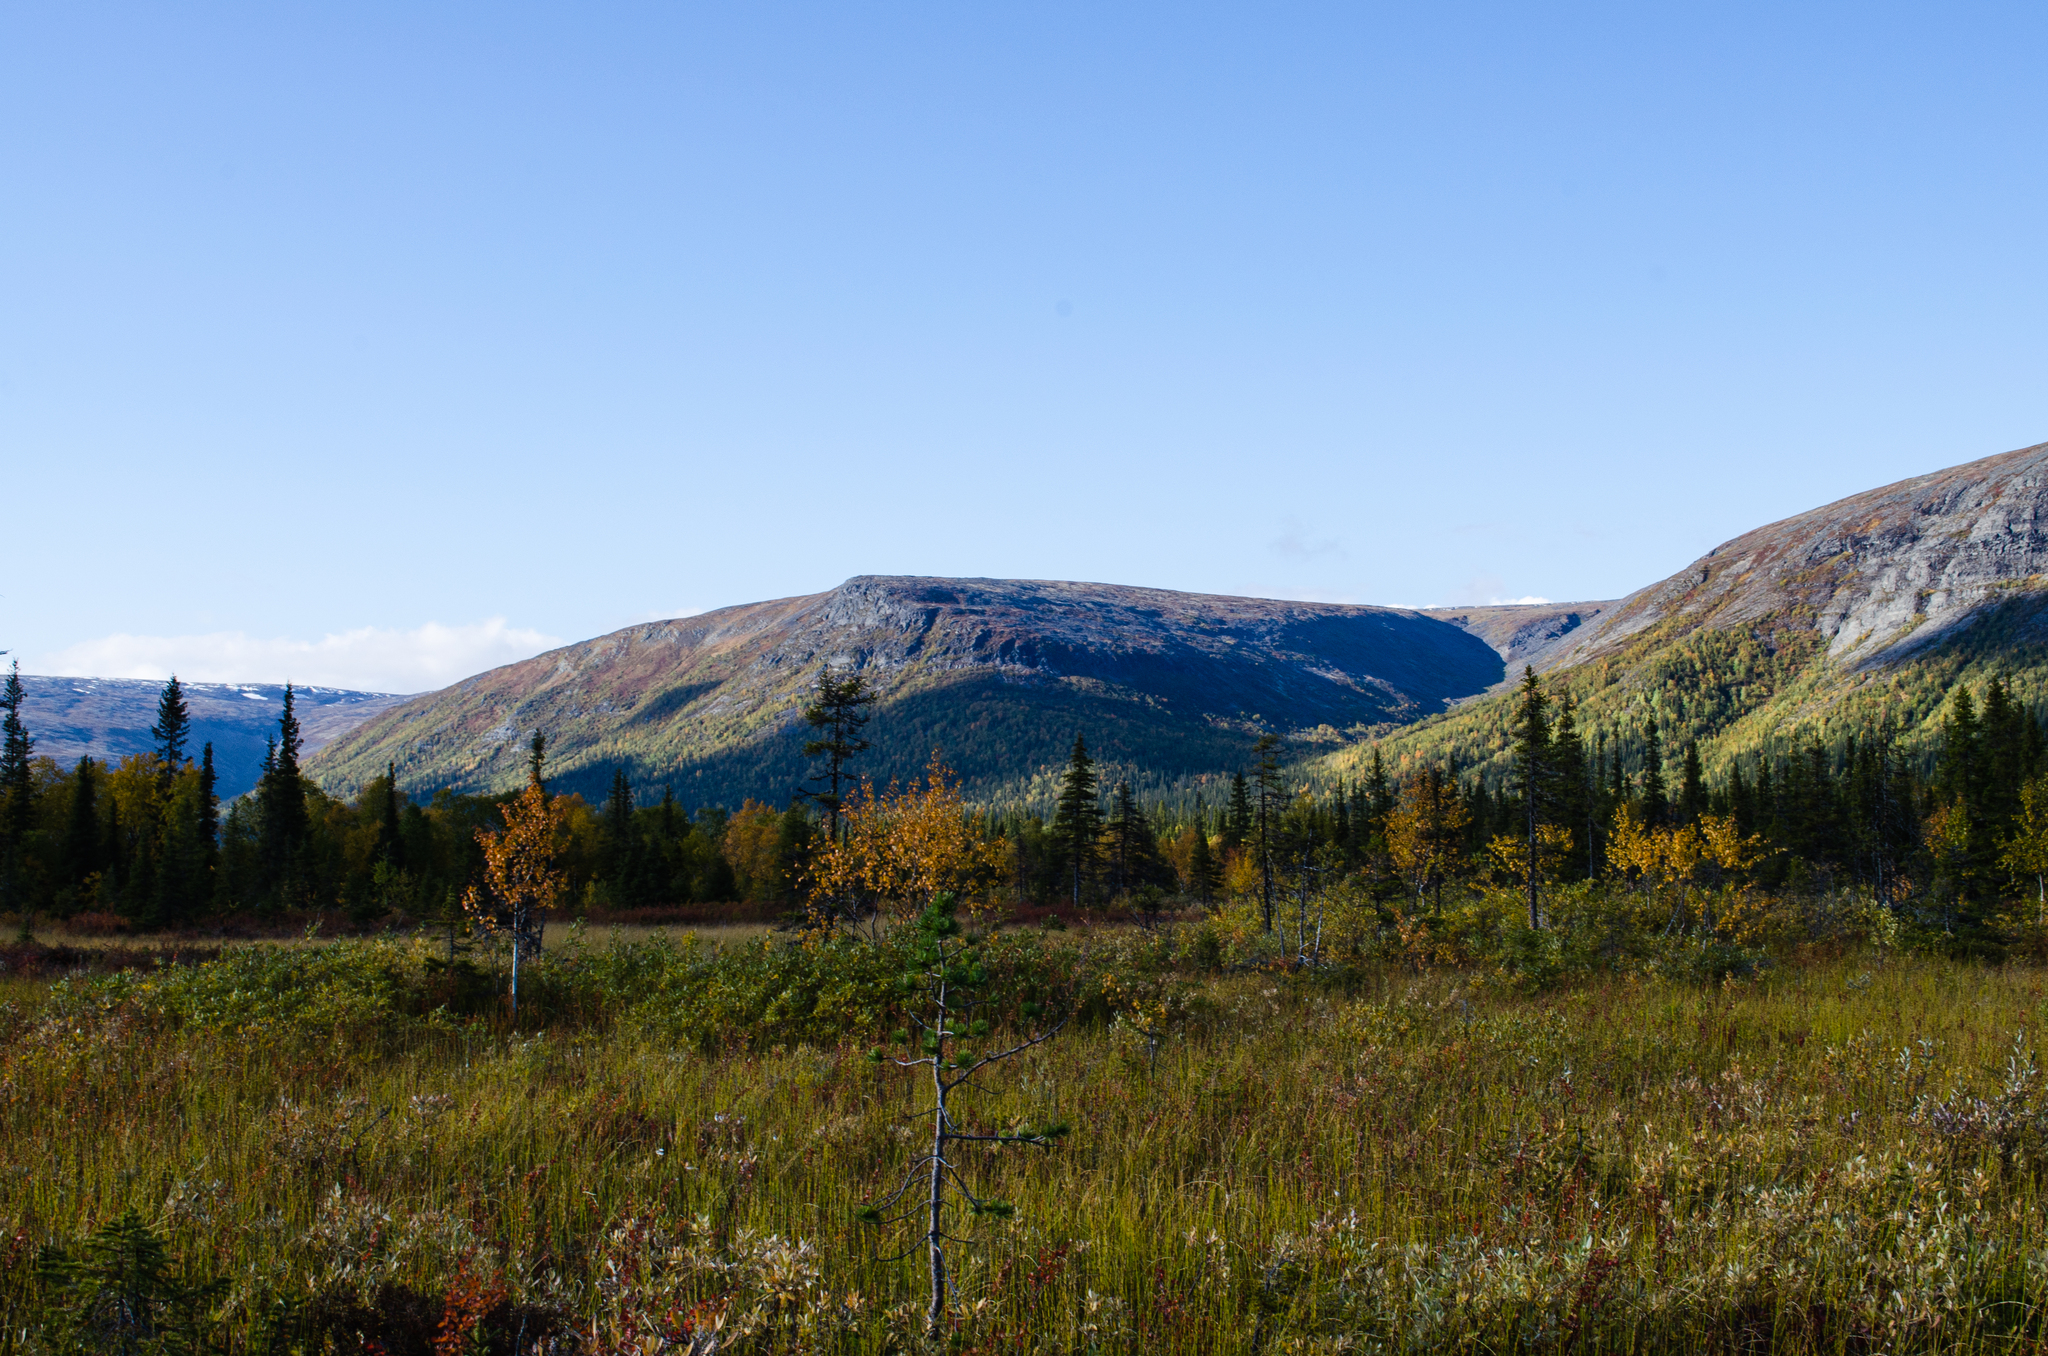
{"type": "Point", "coordinates": [145, 844]}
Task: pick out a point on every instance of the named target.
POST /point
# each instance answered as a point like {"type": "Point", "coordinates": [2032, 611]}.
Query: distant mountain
{"type": "Point", "coordinates": [1824, 624]}
{"type": "Point", "coordinates": [110, 718]}
{"type": "Point", "coordinates": [997, 675]}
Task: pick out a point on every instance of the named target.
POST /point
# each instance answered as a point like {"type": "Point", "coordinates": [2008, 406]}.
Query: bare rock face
{"type": "Point", "coordinates": [1879, 575]}
{"type": "Point", "coordinates": [998, 675]}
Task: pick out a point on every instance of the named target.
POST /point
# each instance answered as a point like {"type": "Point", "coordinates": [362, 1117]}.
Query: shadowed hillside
{"type": "Point", "coordinates": [998, 674]}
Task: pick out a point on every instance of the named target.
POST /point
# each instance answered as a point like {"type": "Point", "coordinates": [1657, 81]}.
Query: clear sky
{"type": "Point", "coordinates": [374, 344]}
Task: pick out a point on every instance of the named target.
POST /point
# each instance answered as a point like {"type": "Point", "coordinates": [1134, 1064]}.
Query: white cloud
{"type": "Point", "coordinates": [1515, 602]}
{"type": "Point", "coordinates": [1294, 543]}
{"type": "Point", "coordinates": [370, 658]}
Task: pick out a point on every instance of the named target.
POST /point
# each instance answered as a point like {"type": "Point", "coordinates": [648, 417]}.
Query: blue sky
{"type": "Point", "coordinates": [375, 344]}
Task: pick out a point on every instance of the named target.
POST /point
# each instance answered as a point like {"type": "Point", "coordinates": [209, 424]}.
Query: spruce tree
{"type": "Point", "coordinates": [172, 729]}
{"type": "Point", "coordinates": [1531, 740]}
{"type": "Point", "coordinates": [1574, 785]}
{"type": "Point", "coordinates": [1237, 820]}
{"type": "Point", "coordinates": [1656, 802]}
{"type": "Point", "coordinates": [17, 792]}
{"type": "Point", "coordinates": [1271, 802]}
{"type": "Point", "coordinates": [537, 761]}
{"type": "Point", "coordinates": [390, 838]}
{"type": "Point", "coordinates": [1203, 876]}
{"type": "Point", "coordinates": [209, 802]}
{"type": "Point", "coordinates": [1077, 820]}
{"type": "Point", "coordinates": [281, 797]}
{"type": "Point", "coordinates": [17, 768]}
{"type": "Point", "coordinates": [82, 826]}
{"type": "Point", "coordinates": [1692, 787]}
{"type": "Point", "coordinates": [840, 712]}
{"type": "Point", "coordinates": [621, 840]}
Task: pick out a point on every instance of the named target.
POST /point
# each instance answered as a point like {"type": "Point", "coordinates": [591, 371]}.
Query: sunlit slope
{"type": "Point", "coordinates": [1827, 623]}
{"type": "Point", "coordinates": [996, 674]}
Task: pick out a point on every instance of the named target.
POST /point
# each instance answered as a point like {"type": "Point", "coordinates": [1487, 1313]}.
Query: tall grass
{"type": "Point", "coordinates": [1839, 1155]}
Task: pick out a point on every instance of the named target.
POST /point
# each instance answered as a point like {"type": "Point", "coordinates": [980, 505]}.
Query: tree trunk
{"type": "Point", "coordinates": [515, 972]}
{"type": "Point", "coordinates": [935, 1253]}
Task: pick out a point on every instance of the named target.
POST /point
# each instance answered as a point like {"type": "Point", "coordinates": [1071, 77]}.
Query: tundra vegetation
{"type": "Point", "coordinates": [1418, 1068]}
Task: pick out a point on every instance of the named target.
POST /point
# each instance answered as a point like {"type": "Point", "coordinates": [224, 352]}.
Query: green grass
{"type": "Point", "coordinates": [1831, 1156]}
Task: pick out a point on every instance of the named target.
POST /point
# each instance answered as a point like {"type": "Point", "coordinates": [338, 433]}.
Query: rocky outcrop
{"type": "Point", "coordinates": [1879, 575]}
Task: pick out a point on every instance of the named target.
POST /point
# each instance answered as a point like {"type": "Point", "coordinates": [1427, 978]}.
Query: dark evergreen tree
{"type": "Point", "coordinates": [1533, 774]}
{"type": "Point", "coordinates": [17, 792]}
{"type": "Point", "coordinates": [841, 711]}
{"type": "Point", "coordinates": [209, 802]}
{"type": "Point", "coordinates": [281, 804]}
{"type": "Point", "coordinates": [1077, 822]}
{"type": "Point", "coordinates": [537, 760]}
{"type": "Point", "coordinates": [1203, 874]}
{"type": "Point", "coordinates": [172, 730]}
{"type": "Point", "coordinates": [1656, 801]}
{"type": "Point", "coordinates": [623, 869]}
{"type": "Point", "coordinates": [82, 826]}
{"type": "Point", "coordinates": [1574, 789]}
{"type": "Point", "coordinates": [1269, 803]}
{"type": "Point", "coordinates": [390, 836]}
{"type": "Point", "coordinates": [1237, 820]}
{"type": "Point", "coordinates": [1134, 859]}
{"type": "Point", "coordinates": [1692, 786]}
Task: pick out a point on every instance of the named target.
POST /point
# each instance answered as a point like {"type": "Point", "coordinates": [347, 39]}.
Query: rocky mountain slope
{"type": "Point", "coordinates": [1824, 624]}
{"type": "Point", "coordinates": [109, 718]}
{"type": "Point", "coordinates": [995, 674]}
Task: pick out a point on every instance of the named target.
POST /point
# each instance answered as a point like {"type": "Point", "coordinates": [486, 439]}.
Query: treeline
{"type": "Point", "coordinates": [146, 840]}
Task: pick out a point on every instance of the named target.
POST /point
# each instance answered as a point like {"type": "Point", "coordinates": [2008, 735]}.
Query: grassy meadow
{"type": "Point", "coordinates": [346, 1146]}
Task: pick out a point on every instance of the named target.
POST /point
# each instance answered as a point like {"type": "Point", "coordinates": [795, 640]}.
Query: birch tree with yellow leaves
{"type": "Point", "coordinates": [899, 850]}
{"type": "Point", "coordinates": [522, 877]}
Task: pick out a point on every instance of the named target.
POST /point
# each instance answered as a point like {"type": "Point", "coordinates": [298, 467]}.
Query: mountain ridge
{"type": "Point", "coordinates": [700, 699]}
{"type": "Point", "coordinates": [1825, 624]}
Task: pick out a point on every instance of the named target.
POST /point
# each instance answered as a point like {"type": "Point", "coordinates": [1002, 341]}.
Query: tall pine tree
{"type": "Point", "coordinates": [1533, 773]}
{"type": "Point", "coordinates": [1077, 820]}
{"type": "Point", "coordinates": [281, 802]}
{"type": "Point", "coordinates": [172, 730]}
{"type": "Point", "coordinates": [1269, 804]}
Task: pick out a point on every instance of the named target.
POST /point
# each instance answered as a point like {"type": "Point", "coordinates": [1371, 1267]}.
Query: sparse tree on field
{"type": "Point", "coordinates": [962, 1032]}
{"type": "Point", "coordinates": [522, 880]}
{"type": "Point", "coordinates": [840, 711]}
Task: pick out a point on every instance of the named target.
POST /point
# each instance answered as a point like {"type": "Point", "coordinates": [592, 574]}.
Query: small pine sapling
{"type": "Point", "coordinates": [959, 1013]}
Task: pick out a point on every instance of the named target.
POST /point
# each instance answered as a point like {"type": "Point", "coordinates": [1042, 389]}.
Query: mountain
{"type": "Point", "coordinates": [110, 718]}
{"type": "Point", "coordinates": [997, 675]}
{"type": "Point", "coordinates": [1826, 624]}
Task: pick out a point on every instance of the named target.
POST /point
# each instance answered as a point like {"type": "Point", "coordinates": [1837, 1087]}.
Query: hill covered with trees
{"type": "Point", "coordinates": [1845, 623]}
{"type": "Point", "coordinates": [999, 674]}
